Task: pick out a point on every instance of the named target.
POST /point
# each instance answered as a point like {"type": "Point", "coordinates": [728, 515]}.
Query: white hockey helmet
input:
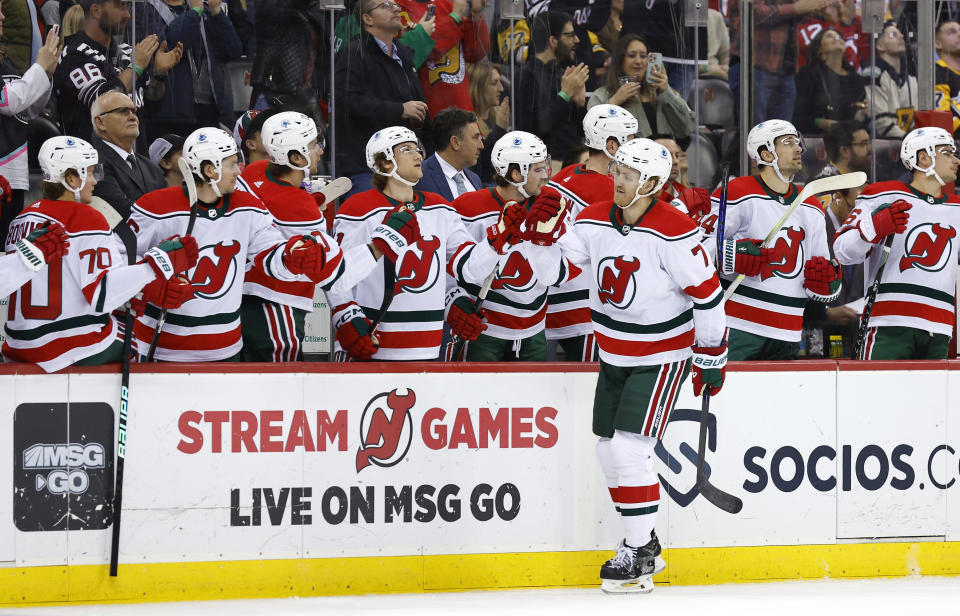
{"type": "Point", "coordinates": [518, 148]}
{"type": "Point", "coordinates": [382, 142]}
{"type": "Point", "coordinates": [926, 139]}
{"type": "Point", "coordinates": [605, 121]}
{"type": "Point", "coordinates": [650, 159]}
{"type": "Point", "coordinates": [764, 135]}
{"type": "Point", "coordinates": [64, 153]}
{"type": "Point", "coordinates": [288, 131]}
{"type": "Point", "coordinates": [208, 144]}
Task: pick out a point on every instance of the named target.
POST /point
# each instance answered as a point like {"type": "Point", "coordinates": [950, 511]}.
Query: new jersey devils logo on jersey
{"type": "Point", "coordinates": [787, 254]}
{"type": "Point", "coordinates": [515, 275]}
{"type": "Point", "coordinates": [216, 270]}
{"type": "Point", "coordinates": [616, 281]}
{"type": "Point", "coordinates": [386, 430]}
{"type": "Point", "coordinates": [419, 267]}
{"type": "Point", "coordinates": [928, 247]}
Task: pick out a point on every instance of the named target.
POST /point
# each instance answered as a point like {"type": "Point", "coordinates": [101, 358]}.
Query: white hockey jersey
{"type": "Point", "coordinates": [14, 273]}
{"type": "Point", "coordinates": [232, 235]}
{"type": "Point", "coordinates": [771, 304]}
{"type": "Point", "coordinates": [295, 212]}
{"type": "Point", "coordinates": [653, 289]}
{"type": "Point", "coordinates": [412, 329]}
{"type": "Point", "coordinates": [568, 309]}
{"type": "Point", "coordinates": [920, 278]}
{"type": "Point", "coordinates": [516, 306]}
{"type": "Point", "coordinates": [62, 315]}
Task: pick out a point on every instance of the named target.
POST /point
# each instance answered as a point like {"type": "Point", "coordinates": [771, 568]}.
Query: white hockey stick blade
{"type": "Point", "coordinates": [844, 181]}
{"type": "Point", "coordinates": [188, 180]}
{"type": "Point", "coordinates": [336, 188]}
{"type": "Point", "coordinates": [113, 216]}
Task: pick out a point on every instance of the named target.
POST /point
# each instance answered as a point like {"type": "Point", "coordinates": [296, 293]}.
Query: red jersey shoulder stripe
{"type": "Point", "coordinates": [597, 212]}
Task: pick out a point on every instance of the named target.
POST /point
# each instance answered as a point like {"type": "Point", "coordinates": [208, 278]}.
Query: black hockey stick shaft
{"type": "Point", "coordinates": [389, 280]}
{"type": "Point", "coordinates": [722, 210]}
{"type": "Point", "coordinates": [872, 298]}
{"type": "Point", "coordinates": [723, 500]}
{"type": "Point", "coordinates": [121, 440]}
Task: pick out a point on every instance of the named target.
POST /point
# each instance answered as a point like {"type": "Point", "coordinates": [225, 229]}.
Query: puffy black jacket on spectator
{"type": "Point", "coordinates": [543, 112]}
{"type": "Point", "coordinates": [371, 90]}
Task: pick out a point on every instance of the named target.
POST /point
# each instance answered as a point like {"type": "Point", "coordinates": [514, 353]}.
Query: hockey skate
{"type": "Point", "coordinates": [632, 569]}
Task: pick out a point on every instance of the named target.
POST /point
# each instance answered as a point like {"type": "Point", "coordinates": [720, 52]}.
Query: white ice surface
{"type": "Point", "coordinates": [913, 596]}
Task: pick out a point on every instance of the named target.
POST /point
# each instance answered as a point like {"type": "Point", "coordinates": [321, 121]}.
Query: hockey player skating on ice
{"type": "Point", "coordinates": [273, 311]}
{"type": "Point", "coordinates": [605, 129]}
{"type": "Point", "coordinates": [30, 254]}
{"type": "Point", "coordinates": [765, 313]}
{"type": "Point", "coordinates": [421, 294]}
{"type": "Point", "coordinates": [516, 306]}
{"type": "Point", "coordinates": [233, 229]}
{"type": "Point", "coordinates": [656, 300]}
{"type": "Point", "coordinates": [913, 316]}
{"type": "Point", "coordinates": [61, 317]}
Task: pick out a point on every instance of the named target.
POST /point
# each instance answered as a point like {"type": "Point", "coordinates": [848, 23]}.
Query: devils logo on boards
{"type": "Point", "coordinates": [927, 247]}
{"type": "Point", "coordinates": [419, 267]}
{"type": "Point", "coordinates": [515, 275]}
{"type": "Point", "coordinates": [617, 284]}
{"type": "Point", "coordinates": [788, 255]}
{"type": "Point", "coordinates": [383, 436]}
{"type": "Point", "coordinates": [216, 270]}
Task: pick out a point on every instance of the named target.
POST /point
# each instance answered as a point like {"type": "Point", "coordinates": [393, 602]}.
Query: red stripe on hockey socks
{"type": "Point", "coordinates": [638, 510]}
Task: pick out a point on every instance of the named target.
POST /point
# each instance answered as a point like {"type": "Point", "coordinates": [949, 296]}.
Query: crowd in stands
{"type": "Point", "coordinates": [137, 79]}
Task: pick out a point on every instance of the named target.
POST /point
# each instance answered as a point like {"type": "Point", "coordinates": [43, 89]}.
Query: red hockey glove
{"type": "Point", "coordinates": [507, 231]}
{"type": "Point", "coordinates": [697, 201]}
{"type": "Point", "coordinates": [464, 320]}
{"type": "Point", "coordinates": [821, 279]}
{"type": "Point", "coordinates": [744, 257]}
{"type": "Point", "coordinates": [6, 193]}
{"type": "Point", "coordinates": [303, 254]}
{"type": "Point", "coordinates": [545, 218]}
{"type": "Point", "coordinates": [709, 367]}
{"type": "Point", "coordinates": [173, 255]}
{"type": "Point", "coordinates": [887, 219]}
{"type": "Point", "coordinates": [167, 294]}
{"type": "Point", "coordinates": [354, 333]}
{"type": "Point", "coordinates": [398, 230]}
{"type": "Point", "coordinates": [51, 239]}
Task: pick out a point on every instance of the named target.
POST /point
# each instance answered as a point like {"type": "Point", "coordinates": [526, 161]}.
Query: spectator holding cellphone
{"type": "Point", "coordinates": [637, 82]}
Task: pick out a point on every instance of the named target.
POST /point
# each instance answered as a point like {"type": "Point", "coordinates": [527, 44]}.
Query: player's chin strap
{"type": "Point", "coordinates": [637, 196]}
{"type": "Point", "coordinates": [928, 171]}
{"type": "Point", "coordinates": [521, 187]}
{"type": "Point", "coordinates": [776, 169]}
{"type": "Point", "coordinates": [83, 182]}
{"type": "Point", "coordinates": [393, 174]}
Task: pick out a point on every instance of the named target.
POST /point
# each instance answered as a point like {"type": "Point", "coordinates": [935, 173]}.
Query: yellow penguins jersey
{"type": "Point", "coordinates": [920, 277]}
{"type": "Point", "coordinates": [233, 235]}
{"type": "Point", "coordinates": [771, 304]}
{"type": "Point", "coordinates": [62, 315]}
{"type": "Point", "coordinates": [295, 212]}
{"type": "Point", "coordinates": [412, 329]}
{"type": "Point", "coordinates": [568, 306]}
{"type": "Point", "coordinates": [516, 306]}
{"type": "Point", "coordinates": [654, 291]}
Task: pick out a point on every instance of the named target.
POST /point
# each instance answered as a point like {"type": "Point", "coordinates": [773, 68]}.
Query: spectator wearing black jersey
{"type": "Point", "coordinates": [91, 65]}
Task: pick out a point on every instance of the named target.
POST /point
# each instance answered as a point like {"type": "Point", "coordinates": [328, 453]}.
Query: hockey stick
{"type": "Point", "coordinates": [459, 343]}
{"type": "Point", "coordinates": [871, 298]}
{"type": "Point", "coordinates": [727, 502]}
{"type": "Point", "coordinates": [833, 183]}
{"type": "Point", "coordinates": [192, 197]}
{"type": "Point", "coordinates": [722, 210]}
{"type": "Point", "coordinates": [121, 439]}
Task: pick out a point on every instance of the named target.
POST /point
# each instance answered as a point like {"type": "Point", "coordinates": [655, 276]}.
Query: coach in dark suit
{"type": "Point", "coordinates": [126, 175]}
{"type": "Point", "coordinates": [459, 141]}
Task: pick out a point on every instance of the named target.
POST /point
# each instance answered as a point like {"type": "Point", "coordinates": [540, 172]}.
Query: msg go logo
{"type": "Point", "coordinates": [67, 463]}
